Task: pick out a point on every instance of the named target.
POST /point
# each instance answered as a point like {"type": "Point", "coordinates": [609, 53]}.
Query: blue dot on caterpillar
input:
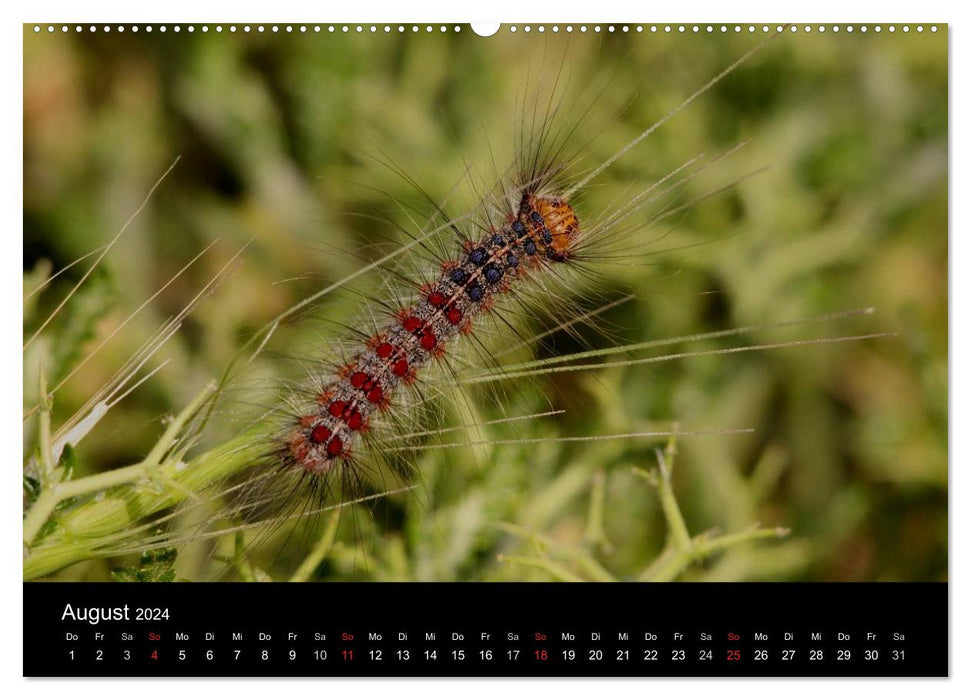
{"type": "Point", "coordinates": [543, 227]}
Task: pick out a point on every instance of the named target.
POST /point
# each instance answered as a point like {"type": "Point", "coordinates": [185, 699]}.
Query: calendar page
{"type": "Point", "coordinates": [546, 349]}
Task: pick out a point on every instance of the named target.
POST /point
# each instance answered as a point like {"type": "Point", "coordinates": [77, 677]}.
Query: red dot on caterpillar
{"type": "Point", "coordinates": [320, 433]}
{"type": "Point", "coordinates": [335, 447]}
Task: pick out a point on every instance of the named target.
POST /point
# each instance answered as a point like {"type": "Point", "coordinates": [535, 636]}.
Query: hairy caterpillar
{"type": "Point", "coordinates": [311, 453]}
{"type": "Point", "coordinates": [542, 228]}
{"type": "Point", "coordinates": [299, 455]}
{"type": "Point", "coordinates": [523, 231]}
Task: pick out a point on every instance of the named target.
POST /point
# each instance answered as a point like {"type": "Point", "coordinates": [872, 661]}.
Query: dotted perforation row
{"type": "Point", "coordinates": [724, 28]}
{"type": "Point", "coordinates": [428, 29]}
{"type": "Point", "coordinates": [251, 28]}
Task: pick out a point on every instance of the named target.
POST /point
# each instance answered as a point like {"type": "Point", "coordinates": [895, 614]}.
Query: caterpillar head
{"type": "Point", "coordinates": [560, 226]}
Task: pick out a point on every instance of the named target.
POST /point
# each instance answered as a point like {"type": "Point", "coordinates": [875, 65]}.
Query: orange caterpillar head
{"type": "Point", "coordinates": [560, 221]}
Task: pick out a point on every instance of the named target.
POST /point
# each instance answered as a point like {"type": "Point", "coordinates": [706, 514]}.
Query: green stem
{"type": "Point", "coordinates": [705, 547]}
{"type": "Point", "coordinates": [673, 562]}
{"type": "Point", "coordinates": [682, 550]}
{"type": "Point", "coordinates": [178, 423]}
{"type": "Point", "coordinates": [596, 536]}
{"type": "Point", "coordinates": [46, 455]}
{"type": "Point", "coordinates": [320, 551]}
{"type": "Point", "coordinates": [97, 524]}
{"type": "Point", "coordinates": [677, 529]}
{"type": "Point", "coordinates": [49, 499]}
{"type": "Point", "coordinates": [580, 558]}
{"type": "Point", "coordinates": [551, 567]}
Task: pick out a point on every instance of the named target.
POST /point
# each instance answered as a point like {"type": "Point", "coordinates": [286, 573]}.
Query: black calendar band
{"type": "Point", "coordinates": [480, 629]}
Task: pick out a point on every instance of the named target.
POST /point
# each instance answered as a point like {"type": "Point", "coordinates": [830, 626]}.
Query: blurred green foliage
{"type": "Point", "coordinates": [285, 143]}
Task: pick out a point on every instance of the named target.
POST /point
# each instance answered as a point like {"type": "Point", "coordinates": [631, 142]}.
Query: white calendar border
{"type": "Point", "coordinates": [818, 11]}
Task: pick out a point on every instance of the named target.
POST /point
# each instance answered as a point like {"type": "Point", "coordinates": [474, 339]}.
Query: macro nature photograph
{"type": "Point", "coordinates": [618, 302]}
